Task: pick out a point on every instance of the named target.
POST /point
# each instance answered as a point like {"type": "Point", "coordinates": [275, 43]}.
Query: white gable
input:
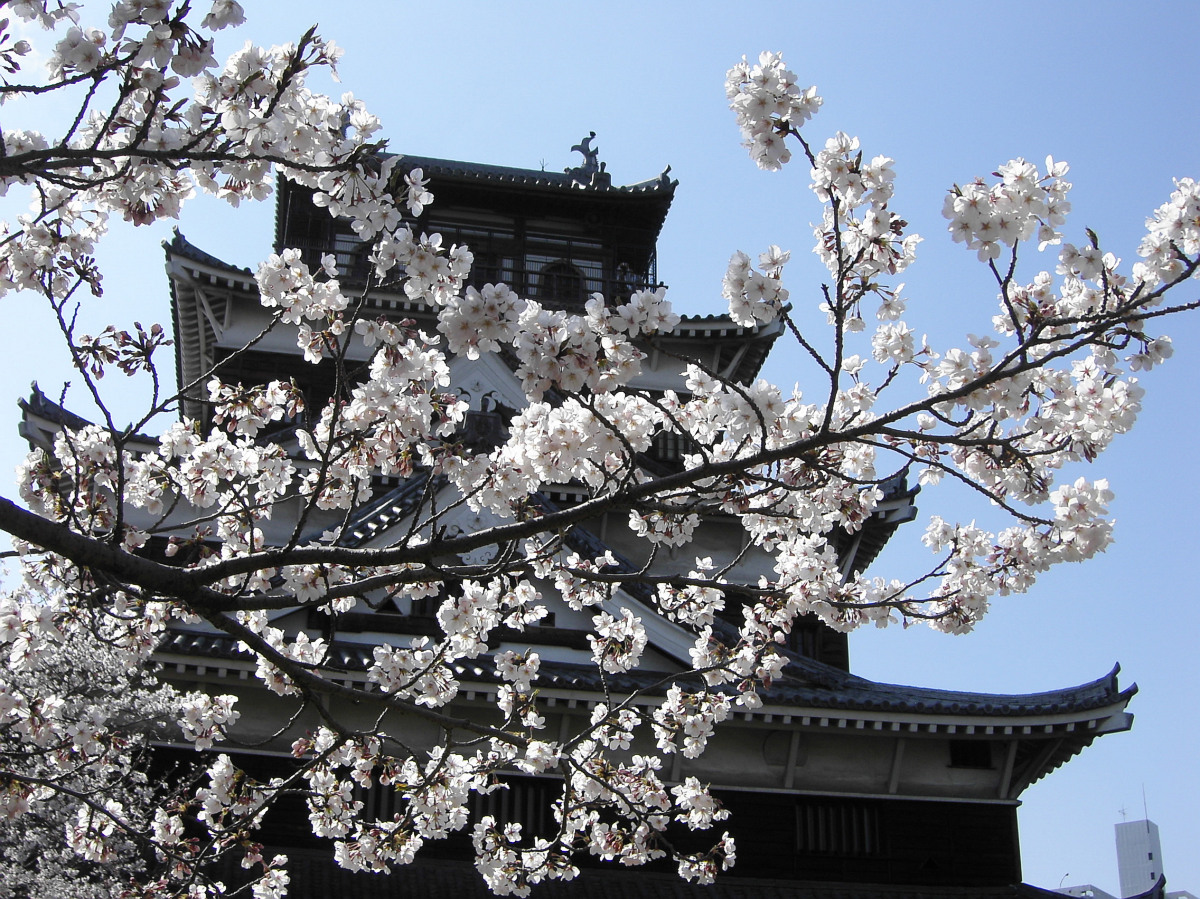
{"type": "Point", "coordinates": [664, 637]}
{"type": "Point", "coordinates": [487, 376]}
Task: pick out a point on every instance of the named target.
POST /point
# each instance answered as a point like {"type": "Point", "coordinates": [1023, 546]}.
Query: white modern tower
{"type": "Point", "coordinates": [1139, 856]}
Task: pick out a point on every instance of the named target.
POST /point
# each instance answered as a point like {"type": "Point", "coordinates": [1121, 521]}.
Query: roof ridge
{"type": "Point", "coordinates": [180, 245]}
{"type": "Point", "coordinates": [663, 183]}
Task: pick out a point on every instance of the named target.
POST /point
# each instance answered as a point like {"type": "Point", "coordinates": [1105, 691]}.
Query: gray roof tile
{"type": "Point", "coordinates": [807, 684]}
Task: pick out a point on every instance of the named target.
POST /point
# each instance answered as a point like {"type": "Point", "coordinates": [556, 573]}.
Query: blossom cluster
{"type": "Point", "coordinates": [423, 670]}
{"type": "Point", "coordinates": [206, 718]}
{"type": "Point", "coordinates": [768, 103]}
{"type": "Point", "coordinates": [755, 297]}
{"type": "Point", "coordinates": [1023, 203]}
{"type": "Point", "coordinates": [1173, 238]}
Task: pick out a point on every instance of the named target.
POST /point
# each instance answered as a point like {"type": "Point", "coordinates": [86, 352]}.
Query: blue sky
{"type": "Point", "coordinates": [950, 91]}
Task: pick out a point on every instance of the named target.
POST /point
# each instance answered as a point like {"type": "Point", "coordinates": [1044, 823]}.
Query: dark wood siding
{"type": "Point", "coordinates": [885, 841]}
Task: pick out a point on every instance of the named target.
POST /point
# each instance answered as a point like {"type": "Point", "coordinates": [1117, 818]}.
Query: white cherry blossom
{"type": "Point", "coordinates": [1012, 414]}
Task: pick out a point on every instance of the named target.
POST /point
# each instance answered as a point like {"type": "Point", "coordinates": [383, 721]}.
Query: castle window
{"type": "Point", "coordinates": [527, 800]}
{"type": "Point", "coordinates": [561, 283]}
{"type": "Point", "coordinates": [837, 828]}
{"type": "Point", "coordinates": [970, 754]}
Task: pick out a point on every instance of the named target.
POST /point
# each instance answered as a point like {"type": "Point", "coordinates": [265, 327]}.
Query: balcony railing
{"type": "Point", "coordinates": [561, 281]}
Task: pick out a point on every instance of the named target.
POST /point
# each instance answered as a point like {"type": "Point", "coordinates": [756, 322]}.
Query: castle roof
{"type": "Point", "coordinates": [537, 179]}
{"type": "Point", "coordinates": [807, 684]}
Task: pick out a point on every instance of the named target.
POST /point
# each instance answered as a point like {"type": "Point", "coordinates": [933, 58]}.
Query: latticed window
{"type": "Point", "coordinates": [837, 828]}
{"type": "Point", "coordinates": [527, 800]}
{"type": "Point", "coordinates": [561, 283]}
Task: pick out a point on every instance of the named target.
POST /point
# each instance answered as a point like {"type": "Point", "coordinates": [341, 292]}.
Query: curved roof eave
{"type": "Point", "coordinates": [179, 247]}
{"type": "Point", "coordinates": [42, 418]}
{"type": "Point", "coordinates": [1015, 713]}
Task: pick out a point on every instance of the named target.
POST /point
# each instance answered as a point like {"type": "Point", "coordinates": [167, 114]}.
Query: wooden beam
{"type": "Point", "coordinates": [897, 759]}
{"type": "Point", "coordinates": [1027, 776]}
{"type": "Point", "coordinates": [1010, 758]}
{"type": "Point", "coordinates": [789, 774]}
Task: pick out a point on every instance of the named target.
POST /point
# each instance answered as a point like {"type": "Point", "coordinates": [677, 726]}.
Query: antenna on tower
{"type": "Point", "coordinates": [1145, 810]}
{"type": "Point", "coordinates": [1121, 811]}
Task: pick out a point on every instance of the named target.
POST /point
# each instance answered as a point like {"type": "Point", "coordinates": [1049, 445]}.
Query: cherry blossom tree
{"type": "Point", "coordinates": [1009, 415]}
{"type": "Point", "coordinates": [80, 718]}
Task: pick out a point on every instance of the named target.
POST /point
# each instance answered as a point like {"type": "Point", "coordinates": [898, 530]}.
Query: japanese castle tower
{"type": "Point", "coordinates": [838, 786]}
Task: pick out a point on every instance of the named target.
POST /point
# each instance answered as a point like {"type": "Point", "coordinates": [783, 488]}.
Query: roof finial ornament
{"type": "Point", "coordinates": [590, 155]}
{"type": "Point", "coordinates": [591, 173]}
